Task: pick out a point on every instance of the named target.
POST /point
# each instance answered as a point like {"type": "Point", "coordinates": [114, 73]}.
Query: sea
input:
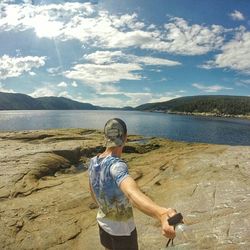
{"type": "Point", "coordinates": [215, 130]}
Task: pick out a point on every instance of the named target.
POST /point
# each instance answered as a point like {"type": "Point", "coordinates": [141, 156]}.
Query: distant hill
{"type": "Point", "coordinates": [13, 101]}
{"type": "Point", "coordinates": [64, 103]}
{"type": "Point", "coordinates": [18, 101]}
{"type": "Point", "coordinates": [216, 105]}
{"type": "Point", "coordinates": [212, 105]}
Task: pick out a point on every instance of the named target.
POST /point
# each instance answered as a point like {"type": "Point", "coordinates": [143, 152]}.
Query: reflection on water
{"type": "Point", "coordinates": [177, 127]}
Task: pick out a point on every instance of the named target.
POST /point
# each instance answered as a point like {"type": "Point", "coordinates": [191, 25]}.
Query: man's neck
{"type": "Point", "coordinates": [116, 151]}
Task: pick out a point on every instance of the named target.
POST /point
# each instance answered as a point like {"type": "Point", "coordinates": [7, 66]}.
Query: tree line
{"type": "Point", "coordinates": [228, 105]}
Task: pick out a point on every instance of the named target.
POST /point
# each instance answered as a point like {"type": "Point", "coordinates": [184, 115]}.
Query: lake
{"type": "Point", "coordinates": [177, 127]}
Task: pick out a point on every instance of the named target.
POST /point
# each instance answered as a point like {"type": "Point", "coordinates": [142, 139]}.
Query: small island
{"type": "Point", "coordinates": [45, 202]}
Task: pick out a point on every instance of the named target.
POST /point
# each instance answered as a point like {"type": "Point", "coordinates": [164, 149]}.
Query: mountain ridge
{"type": "Point", "coordinates": [18, 101]}
{"type": "Point", "coordinates": [215, 105]}
{"type": "Point", "coordinates": [219, 105]}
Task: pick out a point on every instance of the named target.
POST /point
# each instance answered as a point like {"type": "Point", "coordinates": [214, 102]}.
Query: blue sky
{"type": "Point", "coordinates": [125, 53]}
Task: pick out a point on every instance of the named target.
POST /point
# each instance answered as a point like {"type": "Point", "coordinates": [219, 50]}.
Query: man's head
{"type": "Point", "coordinates": [115, 131]}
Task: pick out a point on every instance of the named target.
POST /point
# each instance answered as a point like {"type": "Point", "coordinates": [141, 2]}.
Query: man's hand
{"type": "Point", "coordinates": [167, 230]}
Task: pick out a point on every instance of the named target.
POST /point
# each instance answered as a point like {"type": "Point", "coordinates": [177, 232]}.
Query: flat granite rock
{"type": "Point", "coordinates": [45, 202]}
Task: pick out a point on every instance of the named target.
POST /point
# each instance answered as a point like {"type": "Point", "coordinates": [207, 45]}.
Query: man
{"type": "Point", "coordinates": [115, 192]}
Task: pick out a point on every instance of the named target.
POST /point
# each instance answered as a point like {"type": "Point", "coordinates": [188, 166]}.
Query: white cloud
{"type": "Point", "coordinates": [93, 73]}
{"type": "Point", "coordinates": [50, 90]}
{"type": "Point", "coordinates": [107, 89]}
{"type": "Point", "coordinates": [212, 88]}
{"type": "Point", "coordinates": [135, 38]}
{"type": "Point", "coordinates": [156, 70]}
{"type": "Point", "coordinates": [182, 91]}
{"type": "Point", "coordinates": [148, 60]}
{"type": "Point", "coordinates": [46, 20]}
{"type": "Point", "coordinates": [237, 15]}
{"type": "Point", "coordinates": [32, 73]}
{"type": "Point", "coordinates": [113, 66]}
{"type": "Point", "coordinates": [151, 27]}
{"type": "Point", "coordinates": [107, 57]}
{"type": "Point", "coordinates": [4, 89]}
{"type": "Point", "coordinates": [16, 66]}
{"type": "Point", "coordinates": [43, 91]}
{"type": "Point", "coordinates": [54, 71]}
{"type": "Point", "coordinates": [62, 84]}
{"type": "Point", "coordinates": [235, 54]}
{"type": "Point", "coordinates": [99, 28]}
{"type": "Point", "coordinates": [182, 38]}
{"type": "Point", "coordinates": [178, 37]}
{"type": "Point", "coordinates": [165, 97]}
{"type": "Point", "coordinates": [127, 21]}
{"type": "Point", "coordinates": [110, 96]}
{"type": "Point", "coordinates": [66, 95]}
{"type": "Point", "coordinates": [74, 84]}
{"type": "Point", "coordinates": [103, 57]}
{"type": "Point", "coordinates": [133, 99]}
{"type": "Point", "coordinates": [44, 27]}
{"type": "Point", "coordinates": [104, 101]}
{"type": "Point", "coordinates": [137, 99]}
{"type": "Point", "coordinates": [208, 65]}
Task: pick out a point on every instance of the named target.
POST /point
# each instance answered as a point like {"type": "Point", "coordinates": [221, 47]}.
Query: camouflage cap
{"type": "Point", "coordinates": [115, 130]}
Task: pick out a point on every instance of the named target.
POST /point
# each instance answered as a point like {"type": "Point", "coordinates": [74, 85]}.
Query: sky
{"type": "Point", "coordinates": [125, 53]}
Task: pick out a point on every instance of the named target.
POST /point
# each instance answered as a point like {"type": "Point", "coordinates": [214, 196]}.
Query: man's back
{"type": "Point", "coordinates": [115, 213]}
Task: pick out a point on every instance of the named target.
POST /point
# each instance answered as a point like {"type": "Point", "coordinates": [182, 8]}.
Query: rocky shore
{"type": "Point", "coordinates": [45, 202]}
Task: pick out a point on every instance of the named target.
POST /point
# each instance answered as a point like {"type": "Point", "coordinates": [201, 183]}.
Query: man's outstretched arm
{"type": "Point", "coordinates": [147, 206]}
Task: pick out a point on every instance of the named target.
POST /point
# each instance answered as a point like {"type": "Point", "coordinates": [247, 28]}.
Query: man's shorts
{"type": "Point", "coordinates": [113, 242]}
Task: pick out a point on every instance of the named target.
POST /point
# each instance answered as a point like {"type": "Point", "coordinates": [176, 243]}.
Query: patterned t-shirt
{"type": "Point", "coordinates": [115, 213]}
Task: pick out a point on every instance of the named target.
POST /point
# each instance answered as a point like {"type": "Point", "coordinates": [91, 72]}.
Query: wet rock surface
{"type": "Point", "coordinates": [45, 202]}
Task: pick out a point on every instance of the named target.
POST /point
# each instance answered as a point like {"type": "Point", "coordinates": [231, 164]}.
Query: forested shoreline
{"type": "Point", "coordinates": [228, 106]}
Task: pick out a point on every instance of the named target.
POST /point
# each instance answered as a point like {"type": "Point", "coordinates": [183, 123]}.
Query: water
{"type": "Point", "coordinates": [177, 127]}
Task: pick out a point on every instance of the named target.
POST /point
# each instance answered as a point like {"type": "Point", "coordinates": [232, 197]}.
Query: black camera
{"type": "Point", "coordinates": [176, 219]}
